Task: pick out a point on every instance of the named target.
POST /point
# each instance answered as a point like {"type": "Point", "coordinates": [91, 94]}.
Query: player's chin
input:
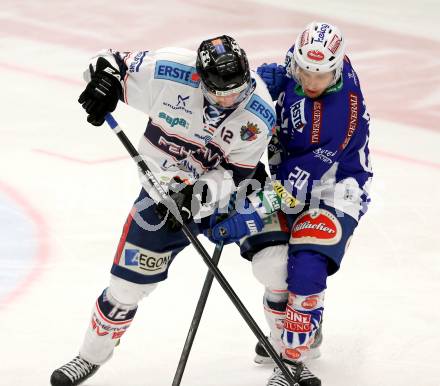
{"type": "Point", "coordinates": [227, 105]}
{"type": "Point", "coordinates": [312, 94]}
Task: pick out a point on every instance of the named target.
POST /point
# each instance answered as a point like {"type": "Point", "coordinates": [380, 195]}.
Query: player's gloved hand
{"type": "Point", "coordinates": [102, 93]}
{"type": "Point", "coordinates": [183, 199]}
{"type": "Point", "coordinates": [235, 226]}
{"type": "Point", "coordinates": [274, 76]}
{"type": "Point", "coordinates": [274, 154]}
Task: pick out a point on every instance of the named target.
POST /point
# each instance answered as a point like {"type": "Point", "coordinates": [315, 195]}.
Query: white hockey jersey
{"type": "Point", "coordinates": [185, 136]}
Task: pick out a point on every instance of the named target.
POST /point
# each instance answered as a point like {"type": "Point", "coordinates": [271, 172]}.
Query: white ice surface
{"type": "Point", "coordinates": [76, 185]}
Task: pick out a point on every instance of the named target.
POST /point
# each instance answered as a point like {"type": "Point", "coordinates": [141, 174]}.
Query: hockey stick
{"type": "Point", "coordinates": [168, 201]}
{"type": "Point", "coordinates": [196, 318]}
{"type": "Point", "coordinates": [198, 312]}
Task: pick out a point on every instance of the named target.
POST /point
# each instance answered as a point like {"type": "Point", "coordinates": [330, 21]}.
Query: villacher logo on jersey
{"type": "Point", "coordinates": [308, 225]}
{"type": "Point", "coordinates": [317, 226]}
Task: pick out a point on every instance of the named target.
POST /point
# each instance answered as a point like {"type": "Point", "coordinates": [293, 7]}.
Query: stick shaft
{"type": "Point", "coordinates": [196, 318]}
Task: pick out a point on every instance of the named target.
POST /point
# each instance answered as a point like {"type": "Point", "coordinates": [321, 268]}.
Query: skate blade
{"type": "Point", "coordinates": [262, 360]}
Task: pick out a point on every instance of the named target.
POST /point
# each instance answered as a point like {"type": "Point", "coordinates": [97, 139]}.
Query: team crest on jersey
{"type": "Point", "coordinates": [298, 116]}
{"type": "Point", "coordinates": [249, 132]}
{"type": "Point", "coordinates": [316, 226]}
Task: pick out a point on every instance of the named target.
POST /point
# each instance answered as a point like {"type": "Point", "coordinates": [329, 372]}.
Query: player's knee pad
{"type": "Point", "coordinates": [128, 293]}
{"type": "Point", "coordinates": [307, 272]}
{"type": "Point", "coordinates": [269, 266]}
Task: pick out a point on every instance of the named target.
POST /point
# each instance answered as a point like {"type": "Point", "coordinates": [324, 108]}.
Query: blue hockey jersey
{"type": "Point", "coordinates": [320, 150]}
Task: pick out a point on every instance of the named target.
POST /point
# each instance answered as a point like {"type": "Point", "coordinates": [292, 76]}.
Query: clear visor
{"type": "Point", "coordinates": [231, 91]}
{"type": "Point", "coordinates": [229, 99]}
{"type": "Point", "coordinates": [295, 69]}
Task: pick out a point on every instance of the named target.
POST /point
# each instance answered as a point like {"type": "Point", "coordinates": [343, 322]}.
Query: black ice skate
{"type": "Point", "coordinates": [73, 373]}
{"type": "Point", "coordinates": [262, 357]}
{"type": "Point", "coordinates": [306, 377]}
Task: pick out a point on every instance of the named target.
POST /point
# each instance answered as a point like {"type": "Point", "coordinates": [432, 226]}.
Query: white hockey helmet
{"type": "Point", "coordinates": [319, 48]}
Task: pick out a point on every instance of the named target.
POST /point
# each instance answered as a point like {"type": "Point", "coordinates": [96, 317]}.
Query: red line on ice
{"type": "Point", "coordinates": [42, 240]}
{"type": "Point", "coordinates": [403, 158]}
{"type": "Point", "coordinates": [40, 74]}
{"type": "Point", "coordinates": [79, 160]}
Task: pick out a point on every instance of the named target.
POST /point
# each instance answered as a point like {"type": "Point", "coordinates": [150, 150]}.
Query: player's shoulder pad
{"type": "Point", "coordinates": [288, 61]}
{"type": "Point", "coordinates": [260, 104]}
{"type": "Point", "coordinates": [177, 65]}
{"type": "Point", "coordinates": [351, 80]}
{"type": "Point", "coordinates": [344, 110]}
{"type": "Point", "coordinates": [133, 60]}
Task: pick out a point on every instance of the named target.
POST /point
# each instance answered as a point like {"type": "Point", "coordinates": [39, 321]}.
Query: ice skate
{"type": "Point", "coordinates": [73, 373]}
{"type": "Point", "coordinates": [305, 377]}
{"type": "Point", "coordinates": [263, 358]}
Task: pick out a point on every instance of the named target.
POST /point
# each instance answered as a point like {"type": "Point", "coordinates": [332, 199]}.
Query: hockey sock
{"type": "Point", "coordinates": [109, 322]}
{"type": "Point", "coordinates": [302, 319]}
{"type": "Point", "coordinates": [275, 302]}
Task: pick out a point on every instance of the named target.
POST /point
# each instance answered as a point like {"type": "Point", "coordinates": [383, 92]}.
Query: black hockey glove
{"type": "Point", "coordinates": [261, 176]}
{"type": "Point", "coordinates": [102, 93]}
{"type": "Point", "coordinates": [274, 154]}
{"type": "Point", "coordinates": [183, 199]}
